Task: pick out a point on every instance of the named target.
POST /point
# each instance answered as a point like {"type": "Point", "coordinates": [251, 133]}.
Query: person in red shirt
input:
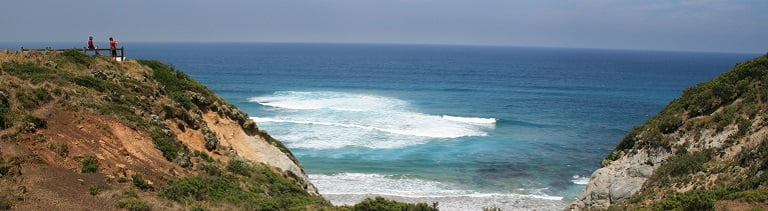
{"type": "Point", "coordinates": [91, 46]}
{"type": "Point", "coordinates": [113, 47]}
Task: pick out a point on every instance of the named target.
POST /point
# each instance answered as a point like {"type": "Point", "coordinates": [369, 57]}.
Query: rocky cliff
{"type": "Point", "coordinates": [707, 149]}
{"type": "Point", "coordinates": [81, 132]}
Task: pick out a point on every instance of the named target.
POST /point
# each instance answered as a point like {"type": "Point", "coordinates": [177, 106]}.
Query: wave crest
{"type": "Point", "coordinates": [327, 120]}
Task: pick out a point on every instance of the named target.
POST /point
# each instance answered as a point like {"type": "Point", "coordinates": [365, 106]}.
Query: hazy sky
{"type": "Point", "coordinates": [689, 25]}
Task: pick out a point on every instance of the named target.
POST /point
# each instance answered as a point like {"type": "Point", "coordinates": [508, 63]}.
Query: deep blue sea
{"type": "Point", "coordinates": [468, 126]}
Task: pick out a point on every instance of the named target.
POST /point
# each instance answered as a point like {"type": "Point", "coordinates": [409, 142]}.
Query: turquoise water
{"type": "Point", "coordinates": [517, 128]}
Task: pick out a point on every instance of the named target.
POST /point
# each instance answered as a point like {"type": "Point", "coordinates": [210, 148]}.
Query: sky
{"type": "Point", "coordinates": [676, 25]}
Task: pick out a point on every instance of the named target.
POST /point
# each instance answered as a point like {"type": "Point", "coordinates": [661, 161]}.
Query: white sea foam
{"type": "Point", "coordinates": [579, 180]}
{"type": "Point", "coordinates": [326, 100]}
{"type": "Point", "coordinates": [350, 188]}
{"type": "Point", "coordinates": [327, 120]}
{"type": "Point", "coordinates": [410, 132]}
{"type": "Point", "coordinates": [474, 120]}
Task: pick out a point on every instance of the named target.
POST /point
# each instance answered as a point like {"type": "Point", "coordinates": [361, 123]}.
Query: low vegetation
{"type": "Point", "coordinates": [746, 81]}
{"type": "Point", "coordinates": [383, 204]}
{"type": "Point", "coordinates": [90, 165]}
{"type": "Point", "coordinates": [152, 102]}
{"type": "Point", "coordinates": [251, 186]}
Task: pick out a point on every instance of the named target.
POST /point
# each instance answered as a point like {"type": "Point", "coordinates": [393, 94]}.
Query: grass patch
{"type": "Point", "coordinates": [89, 164]}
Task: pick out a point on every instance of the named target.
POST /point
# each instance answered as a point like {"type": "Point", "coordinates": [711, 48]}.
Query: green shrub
{"type": "Point", "coordinates": [383, 204]}
{"type": "Point", "coordinates": [184, 189]}
{"type": "Point", "coordinates": [212, 170]}
{"type": "Point", "coordinates": [751, 196]}
{"type": "Point", "coordinates": [90, 165]}
{"type": "Point", "coordinates": [139, 181]}
{"type": "Point", "coordinates": [133, 204]}
{"type": "Point", "coordinates": [240, 167]}
{"type": "Point", "coordinates": [176, 82]}
{"type": "Point", "coordinates": [168, 145]}
{"type": "Point", "coordinates": [685, 164]}
{"type": "Point", "coordinates": [94, 189]}
{"type": "Point", "coordinates": [694, 200]}
{"type": "Point", "coordinates": [263, 189]}
{"type": "Point", "coordinates": [76, 57]}
{"type": "Point", "coordinates": [203, 155]}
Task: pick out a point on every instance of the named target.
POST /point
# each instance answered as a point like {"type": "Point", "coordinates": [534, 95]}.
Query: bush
{"type": "Point", "coordinates": [239, 167]}
{"type": "Point", "coordinates": [133, 204]}
{"type": "Point", "coordinates": [139, 181]}
{"type": "Point", "coordinates": [685, 164]}
{"type": "Point", "coordinates": [166, 144]}
{"type": "Point", "coordinates": [694, 200]}
{"type": "Point", "coordinates": [383, 204]}
{"type": "Point", "coordinates": [90, 165]}
{"type": "Point", "coordinates": [203, 155]}
{"type": "Point", "coordinates": [94, 189]}
{"type": "Point", "coordinates": [76, 57]}
{"type": "Point", "coordinates": [751, 196]}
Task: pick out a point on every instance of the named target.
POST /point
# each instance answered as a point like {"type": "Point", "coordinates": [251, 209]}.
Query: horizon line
{"type": "Point", "coordinates": [410, 44]}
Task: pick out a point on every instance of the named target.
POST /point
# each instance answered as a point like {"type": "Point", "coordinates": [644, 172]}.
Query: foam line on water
{"type": "Point", "coordinates": [430, 134]}
{"type": "Point", "coordinates": [579, 180]}
{"type": "Point", "coordinates": [390, 185]}
{"type": "Point", "coordinates": [328, 120]}
{"type": "Point", "coordinates": [326, 100]}
{"type": "Point", "coordinates": [473, 120]}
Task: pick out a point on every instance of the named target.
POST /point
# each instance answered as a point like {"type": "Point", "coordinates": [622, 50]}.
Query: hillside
{"type": "Point", "coordinates": [81, 132]}
{"type": "Point", "coordinates": [707, 149]}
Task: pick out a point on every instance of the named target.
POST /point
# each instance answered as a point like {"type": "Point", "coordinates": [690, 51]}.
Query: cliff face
{"type": "Point", "coordinates": [133, 134]}
{"type": "Point", "coordinates": [706, 149]}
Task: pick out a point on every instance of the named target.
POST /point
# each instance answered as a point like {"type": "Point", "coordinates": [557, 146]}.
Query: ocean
{"type": "Point", "coordinates": [465, 126]}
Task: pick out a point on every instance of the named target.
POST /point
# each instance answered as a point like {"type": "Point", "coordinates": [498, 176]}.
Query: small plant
{"type": "Point", "coordinates": [90, 165]}
{"type": "Point", "coordinates": [203, 156]}
{"type": "Point", "coordinates": [94, 189]}
{"type": "Point", "coordinates": [130, 193]}
{"type": "Point", "coordinates": [122, 180]}
{"type": "Point", "coordinates": [139, 181]}
{"type": "Point", "coordinates": [40, 138]}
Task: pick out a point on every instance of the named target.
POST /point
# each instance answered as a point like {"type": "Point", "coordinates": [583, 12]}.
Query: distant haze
{"type": "Point", "coordinates": [681, 25]}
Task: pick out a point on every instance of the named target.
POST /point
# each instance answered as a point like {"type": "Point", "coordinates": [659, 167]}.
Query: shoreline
{"type": "Point", "coordinates": [466, 202]}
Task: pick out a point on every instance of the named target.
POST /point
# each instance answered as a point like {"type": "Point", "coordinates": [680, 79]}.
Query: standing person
{"type": "Point", "coordinates": [113, 47]}
{"type": "Point", "coordinates": [91, 46]}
